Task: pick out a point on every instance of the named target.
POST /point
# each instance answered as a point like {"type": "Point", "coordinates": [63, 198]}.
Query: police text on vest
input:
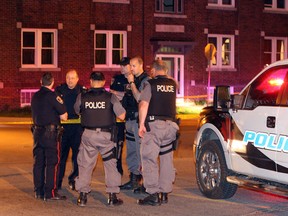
{"type": "Point", "coordinates": [95, 105]}
{"type": "Point", "coordinates": [165, 88]}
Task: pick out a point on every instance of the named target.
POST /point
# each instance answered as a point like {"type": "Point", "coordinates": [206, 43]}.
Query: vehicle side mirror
{"type": "Point", "coordinates": [222, 98]}
{"type": "Point", "coordinates": [237, 102]}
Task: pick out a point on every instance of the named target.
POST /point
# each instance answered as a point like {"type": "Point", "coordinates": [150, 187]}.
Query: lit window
{"type": "Point", "coordinates": [26, 96]}
{"type": "Point", "coordinates": [274, 49]}
{"type": "Point", "coordinates": [110, 47]}
{"type": "Point", "coordinates": [169, 6]}
{"type": "Point", "coordinates": [39, 48]}
{"type": "Point", "coordinates": [224, 57]}
{"type": "Point", "coordinates": [275, 4]}
{"type": "Point", "coordinates": [222, 3]}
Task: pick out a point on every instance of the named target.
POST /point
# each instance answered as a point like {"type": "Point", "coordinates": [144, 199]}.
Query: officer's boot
{"type": "Point", "coordinates": [82, 199]}
{"type": "Point", "coordinates": [131, 184]}
{"type": "Point", "coordinates": [71, 184]}
{"type": "Point", "coordinates": [140, 188]}
{"type": "Point", "coordinates": [113, 200]}
{"type": "Point", "coordinates": [164, 197]}
{"type": "Point", "coordinates": [152, 199]}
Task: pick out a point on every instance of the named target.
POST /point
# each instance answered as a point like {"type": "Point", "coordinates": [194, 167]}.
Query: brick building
{"type": "Point", "coordinates": [93, 35]}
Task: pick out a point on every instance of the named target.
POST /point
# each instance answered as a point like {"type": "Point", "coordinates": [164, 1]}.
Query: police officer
{"type": "Point", "coordinates": [130, 102]}
{"type": "Point", "coordinates": [158, 130]}
{"type": "Point", "coordinates": [117, 87]}
{"type": "Point", "coordinates": [47, 110]}
{"type": "Point", "coordinates": [72, 131]}
{"type": "Point", "coordinates": [97, 108]}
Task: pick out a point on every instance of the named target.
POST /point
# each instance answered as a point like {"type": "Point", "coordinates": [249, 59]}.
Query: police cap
{"type": "Point", "coordinates": [97, 76]}
{"type": "Point", "coordinates": [124, 61]}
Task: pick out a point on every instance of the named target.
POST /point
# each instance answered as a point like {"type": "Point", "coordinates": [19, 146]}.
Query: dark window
{"type": "Point", "coordinates": [169, 6]}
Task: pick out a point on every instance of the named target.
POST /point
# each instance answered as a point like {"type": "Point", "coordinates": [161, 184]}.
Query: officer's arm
{"type": "Point", "coordinates": [77, 104]}
{"type": "Point", "coordinates": [135, 91]}
{"type": "Point", "coordinates": [143, 109]}
{"type": "Point", "coordinates": [118, 108]}
{"type": "Point", "coordinates": [122, 116]}
{"type": "Point", "coordinates": [60, 107]}
{"type": "Point", "coordinates": [64, 116]}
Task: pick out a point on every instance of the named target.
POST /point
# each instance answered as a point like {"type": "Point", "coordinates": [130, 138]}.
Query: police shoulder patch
{"type": "Point", "coordinates": [59, 99]}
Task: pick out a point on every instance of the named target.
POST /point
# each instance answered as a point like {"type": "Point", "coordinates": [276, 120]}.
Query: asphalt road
{"type": "Point", "coordinates": [16, 186]}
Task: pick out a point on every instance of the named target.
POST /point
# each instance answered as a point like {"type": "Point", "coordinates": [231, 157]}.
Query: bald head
{"type": "Point", "coordinates": [159, 67]}
{"type": "Point", "coordinates": [72, 78]}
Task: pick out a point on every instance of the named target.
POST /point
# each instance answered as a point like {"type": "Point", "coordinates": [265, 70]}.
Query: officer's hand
{"type": "Point", "coordinates": [130, 78]}
{"type": "Point", "coordinates": [142, 130]}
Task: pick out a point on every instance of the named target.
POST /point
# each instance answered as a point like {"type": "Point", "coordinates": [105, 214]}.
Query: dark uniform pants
{"type": "Point", "coordinates": [46, 161]}
{"type": "Point", "coordinates": [158, 179]}
{"type": "Point", "coordinates": [71, 138]}
{"type": "Point", "coordinates": [120, 142]}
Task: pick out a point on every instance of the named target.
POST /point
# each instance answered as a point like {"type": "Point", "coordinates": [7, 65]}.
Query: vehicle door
{"type": "Point", "coordinates": [254, 126]}
{"type": "Point", "coordinates": [282, 133]}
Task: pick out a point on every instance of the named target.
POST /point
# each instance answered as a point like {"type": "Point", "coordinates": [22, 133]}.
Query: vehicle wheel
{"type": "Point", "coordinates": [211, 172]}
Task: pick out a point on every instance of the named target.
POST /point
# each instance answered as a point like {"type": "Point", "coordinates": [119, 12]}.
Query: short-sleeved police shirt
{"type": "Point", "coordinates": [46, 107]}
{"type": "Point", "coordinates": [146, 93]}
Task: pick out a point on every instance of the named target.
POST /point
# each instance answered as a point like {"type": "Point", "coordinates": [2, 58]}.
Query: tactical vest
{"type": "Point", "coordinates": [128, 101]}
{"type": "Point", "coordinates": [97, 109]}
{"type": "Point", "coordinates": [163, 100]}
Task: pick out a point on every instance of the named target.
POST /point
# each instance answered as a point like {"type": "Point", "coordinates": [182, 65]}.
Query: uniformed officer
{"type": "Point", "coordinates": [47, 110]}
{"type": "Point", "coordinates": [157, 127]}
{"type": "Point", "coordinates": [130, 102]}
{"type": "Point", "coordinates": [72, 131]}
{"type": "Point", "coordinates": [98, 109]}
{"type": "Point", "coordinates": [117, 87]}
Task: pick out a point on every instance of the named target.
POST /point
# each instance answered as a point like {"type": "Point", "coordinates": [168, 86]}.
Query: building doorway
{"type": "Point", "coordinates": [175, 65]}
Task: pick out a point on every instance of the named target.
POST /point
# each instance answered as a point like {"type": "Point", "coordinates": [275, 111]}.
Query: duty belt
{"type": "Point", "coordinates": [99, 129]}
{"type": "Point", "coordinates": [131, 115]}
{"type": "Point", "coordinates": [163, 118]}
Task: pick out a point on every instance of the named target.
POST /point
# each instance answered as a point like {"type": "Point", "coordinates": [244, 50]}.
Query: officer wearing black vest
{"type": "Point", "coordinates": [130, 102]}
{"type": "Point", "coordinates": [98, 109]}
{"type": "Point", "coordinates": [157, 127]}
{"type": "Point", "coordinates": [117, 87]}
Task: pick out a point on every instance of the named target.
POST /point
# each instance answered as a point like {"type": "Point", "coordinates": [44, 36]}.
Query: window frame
{"type": "Point", "coordinates": [176, 3]}
{"type": "Point", "coordinates": [219, 38]}
{"type": "Point", "coordinates": [109, 48]}
{"type": "Point", "coordinates": [274, 47]}
{"type": "Point", "coordinates": [38, 48]}
{"type": "Point", "coordinates": [220, 4]}
{"type": "Point", "coordinates": [23, 100]}
{"type": "Point", "coordinates": [274, 6]}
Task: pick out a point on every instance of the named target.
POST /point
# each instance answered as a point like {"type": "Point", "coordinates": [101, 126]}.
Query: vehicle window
{"type": "Point", "coordinates": [265, 89]}
{"type": "Point", "coordinates": [282, 98]}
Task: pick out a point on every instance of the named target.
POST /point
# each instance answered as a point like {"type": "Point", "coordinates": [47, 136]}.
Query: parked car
{"type": "Point", "coordinates": [243, 139]}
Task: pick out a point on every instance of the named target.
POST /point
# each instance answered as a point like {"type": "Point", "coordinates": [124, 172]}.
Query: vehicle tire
{"type": "Point", "coordinates": [211, 172]}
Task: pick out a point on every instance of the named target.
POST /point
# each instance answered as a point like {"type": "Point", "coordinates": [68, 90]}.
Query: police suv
{"type": "Point", "coordinates": [243, 139]}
